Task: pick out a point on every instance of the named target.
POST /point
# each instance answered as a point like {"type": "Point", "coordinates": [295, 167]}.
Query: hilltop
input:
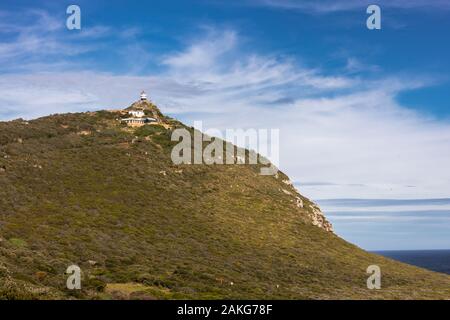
{"type": "Point", "coordinates": [87, 189]}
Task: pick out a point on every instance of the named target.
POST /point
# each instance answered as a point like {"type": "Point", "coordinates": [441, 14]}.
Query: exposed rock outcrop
{"type": "Point", "coordinates": [318, 218]}
{"type": "Point", "coordinates": [313, 211]}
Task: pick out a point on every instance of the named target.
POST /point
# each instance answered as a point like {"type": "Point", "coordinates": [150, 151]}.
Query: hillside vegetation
{"type": "Point", "coordinates": [84, 189]}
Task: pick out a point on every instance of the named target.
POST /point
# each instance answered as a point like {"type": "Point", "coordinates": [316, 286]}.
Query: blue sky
{"type": "Point", "coordinates": [362, 114]}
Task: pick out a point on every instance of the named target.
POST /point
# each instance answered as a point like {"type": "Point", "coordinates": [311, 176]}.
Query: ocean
{"type": "Point", "coordinates": [435, 260]}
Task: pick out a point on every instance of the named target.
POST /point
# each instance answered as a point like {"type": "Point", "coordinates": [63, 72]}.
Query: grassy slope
{"type": "Point", "coordinates": [157, 230]}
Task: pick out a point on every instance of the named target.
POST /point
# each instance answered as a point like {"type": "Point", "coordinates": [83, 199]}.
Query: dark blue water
{"type": "Point", "coordinates": [435, 260]}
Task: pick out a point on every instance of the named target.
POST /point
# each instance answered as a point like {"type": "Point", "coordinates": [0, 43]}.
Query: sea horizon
{"type": "Point", "coordinates": [437, 260]}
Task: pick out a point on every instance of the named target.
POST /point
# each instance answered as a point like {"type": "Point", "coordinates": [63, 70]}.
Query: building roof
{"type": "Point", "coordinates": [139, 119]}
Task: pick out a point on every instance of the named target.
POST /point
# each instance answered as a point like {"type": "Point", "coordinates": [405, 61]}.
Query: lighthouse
{"type": "Point", "coordinates": [143, 96]}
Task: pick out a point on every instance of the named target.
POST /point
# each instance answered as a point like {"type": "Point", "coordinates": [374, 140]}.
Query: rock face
{"type": "Point", "coordinates": [313, 211]}
{"type": "Point", "coordinates": [318, 218]}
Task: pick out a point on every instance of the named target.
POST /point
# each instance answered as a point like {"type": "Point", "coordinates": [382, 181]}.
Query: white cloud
{"type": "Point", "coordinates": [327, 6]}
{"type": "Point", "coordinates": [203, 54]}
{"type": "Point", "coordinates": [34, 36]}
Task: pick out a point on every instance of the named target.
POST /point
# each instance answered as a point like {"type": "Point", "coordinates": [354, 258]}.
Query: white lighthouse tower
{"type": "Point", "coordinates": [143, 96]}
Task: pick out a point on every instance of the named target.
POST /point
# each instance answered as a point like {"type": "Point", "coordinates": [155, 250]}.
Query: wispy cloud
{"type": "Point", "coordinates": [391, 223]}
{"type": "Point", "coordinates": [35, 36]}
{"type": "Point", "coordinates": [355, 203]}
{"type": "Point", "coordinates": [203, 54]}
{"type": "Point", "coordinates": [217, 73]}
{"type": "Point", "coordinates": [329, 6]}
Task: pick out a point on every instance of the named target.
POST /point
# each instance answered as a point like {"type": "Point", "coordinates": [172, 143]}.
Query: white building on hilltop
{"type": "Point", "coordinates": [137, 114]}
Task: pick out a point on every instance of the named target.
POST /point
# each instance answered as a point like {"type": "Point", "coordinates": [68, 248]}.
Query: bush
{"type": "Point", "coordinates": [149, 130]}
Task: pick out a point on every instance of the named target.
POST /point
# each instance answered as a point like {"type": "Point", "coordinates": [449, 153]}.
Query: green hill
{"type": "Point", "coordinates": [85, 189]}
